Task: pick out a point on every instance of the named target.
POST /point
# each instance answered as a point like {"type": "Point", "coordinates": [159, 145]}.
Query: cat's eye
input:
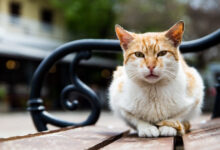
{"type": "Point", "coordinates": [139, 54]}
{"type": "Point", "coordinates": [161, 53]}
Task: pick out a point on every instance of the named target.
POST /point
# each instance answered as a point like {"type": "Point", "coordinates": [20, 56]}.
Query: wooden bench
{"type": "Point", "coordinates": [84, 135]}
{"type": "Point", "coordinates": [203, 136]}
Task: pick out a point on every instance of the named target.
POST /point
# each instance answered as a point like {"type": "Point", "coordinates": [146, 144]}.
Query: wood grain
{"type": "Point", "coordinates": [207, 125]}
{"type": "Point", "coordinates": [90, 137]}
{"type": "Point", "coordinates": [132, 142]}
{"type": "Point", "coordinates": [204, 136]}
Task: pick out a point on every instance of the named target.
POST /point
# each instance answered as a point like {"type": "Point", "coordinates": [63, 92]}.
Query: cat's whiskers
{"type": "Point", "coordinates": [132, 75]}
{"type": "Point", "coordinates": [170, 74]}
{"type": "Point", "coordinates": [171, 68]}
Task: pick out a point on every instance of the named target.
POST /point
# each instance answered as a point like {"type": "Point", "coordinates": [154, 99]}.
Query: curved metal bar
{"type": "Point", "coordinates": [35, 103]}
{"type": "Point", "coordinates": [60, 52]}
{"type": "Point", "coordinates": [41, 118]}
{"type": "Point", "coordinates": [202, 43]}
{"type": "Point", "coordinates": [106, 45]}
{"type": "Point", "coordinates": [78, 86]}
{"type": "Point", "coordinates": [77, 83]}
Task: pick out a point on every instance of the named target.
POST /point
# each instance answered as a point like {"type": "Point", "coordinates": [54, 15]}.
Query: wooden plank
{"type": "Point", "coordinates": [90, 137]}
{"type": "Point", "coordinates": [132, 142]}
{"type": "Point", "coordinates": [36, 134]}
{"type": "Point", "coordinates": [209, 124]}
{"type": "Point", "coordinates": [208, 139]}
{"type": "Point", "coordinates": [205, 136]}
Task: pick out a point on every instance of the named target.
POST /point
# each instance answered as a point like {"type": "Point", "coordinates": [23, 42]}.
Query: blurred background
{"type": "Point", "coordinates": [31, 29]}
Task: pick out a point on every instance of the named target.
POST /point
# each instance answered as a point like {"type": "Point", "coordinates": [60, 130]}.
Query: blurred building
{"type": "Point", "coordinates": [29, 31]}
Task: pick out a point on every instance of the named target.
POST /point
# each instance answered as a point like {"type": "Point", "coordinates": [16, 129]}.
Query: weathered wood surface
{"type": "Point", "coordinates": [90, 137]}
{"type": "Point", "coordinates": [132, 142]}
{"type": "Point", "coordinates": [203, 136]}
{"type": "Point", "coordinates": [206, 125]}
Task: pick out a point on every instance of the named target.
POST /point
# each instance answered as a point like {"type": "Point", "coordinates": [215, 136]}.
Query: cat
{"type": "Point", "coordinates": [155, 91]}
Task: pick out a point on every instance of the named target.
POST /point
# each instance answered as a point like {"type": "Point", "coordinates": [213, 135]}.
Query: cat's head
{"type": "Point", "coordinates": [151, 56]}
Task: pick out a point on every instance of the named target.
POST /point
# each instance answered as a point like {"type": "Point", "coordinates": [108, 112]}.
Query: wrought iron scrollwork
{"type": "Point", "coordinates": [83, 49]}
{"type": "Point", "coordinates": [77, 85]}
{"type": "Point", "coordinates": [41, 117]}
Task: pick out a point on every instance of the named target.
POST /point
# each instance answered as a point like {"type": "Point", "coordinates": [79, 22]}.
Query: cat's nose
{"type": "Point", "coordinates": [151, 68]}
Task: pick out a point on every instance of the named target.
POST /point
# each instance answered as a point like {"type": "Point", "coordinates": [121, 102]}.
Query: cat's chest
{"type": "Point", "coordinates": [153, 105]}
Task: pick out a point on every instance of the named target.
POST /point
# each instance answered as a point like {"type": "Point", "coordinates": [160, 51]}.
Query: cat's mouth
{"type": "Point", "coordinates": [151, 76]}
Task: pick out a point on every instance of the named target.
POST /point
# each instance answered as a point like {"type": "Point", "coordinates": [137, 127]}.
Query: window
{"type": "Point", "coordinates": [15, 12]}
{"type": "Point", "coordinates": [15, 9]}
{"type": "Point", "coordinates": [47, 16]}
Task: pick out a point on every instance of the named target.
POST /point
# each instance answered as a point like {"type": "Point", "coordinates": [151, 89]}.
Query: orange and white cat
{"type": "Point", "coordinates": [155, 91]}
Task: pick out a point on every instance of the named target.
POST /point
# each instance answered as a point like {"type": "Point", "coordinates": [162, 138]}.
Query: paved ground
{"type": "Point", "coordinates": [20, 123]}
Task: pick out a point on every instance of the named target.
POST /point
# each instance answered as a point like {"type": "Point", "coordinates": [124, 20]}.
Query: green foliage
{"type": "Point", "coordinates": [96, 19]}
{"type": "Point", "coordinates": [86, 18]}
{"type": "Point", "coordinates": [150, 15]}
{"type": "Point", "coordinates": [2, 93]}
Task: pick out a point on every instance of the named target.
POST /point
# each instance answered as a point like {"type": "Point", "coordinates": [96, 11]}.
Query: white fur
{"type": "Point", "coordinates": [167, 131]}
{"type": "Point", "coordinates": [143, 103]}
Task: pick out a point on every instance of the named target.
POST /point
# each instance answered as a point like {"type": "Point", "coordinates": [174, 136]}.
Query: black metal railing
{"type": "Point", "coordinates": [83, 50]}
{"type": "Point", "coordinates": [216, 110]}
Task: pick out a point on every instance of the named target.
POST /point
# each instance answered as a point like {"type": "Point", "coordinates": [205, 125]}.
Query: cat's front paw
{"type": "Point", "coordinates": [181, 127]}
{"type": "Point", "coordinates": [167, 131]}
{"type": "Point", "coordinates": [147, 130]}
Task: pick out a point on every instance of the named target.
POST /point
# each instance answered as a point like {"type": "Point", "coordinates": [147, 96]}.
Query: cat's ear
{"type": "Point", "coordinates": [175, 33]}
{"type": "Point", "coordinates": [124, 36]}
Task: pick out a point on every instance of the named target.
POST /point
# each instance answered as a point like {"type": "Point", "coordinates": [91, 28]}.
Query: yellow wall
{"type": "Point", "coordinates": [30, 9]}
{"type": "Point", "coordinates": [3, 6]}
